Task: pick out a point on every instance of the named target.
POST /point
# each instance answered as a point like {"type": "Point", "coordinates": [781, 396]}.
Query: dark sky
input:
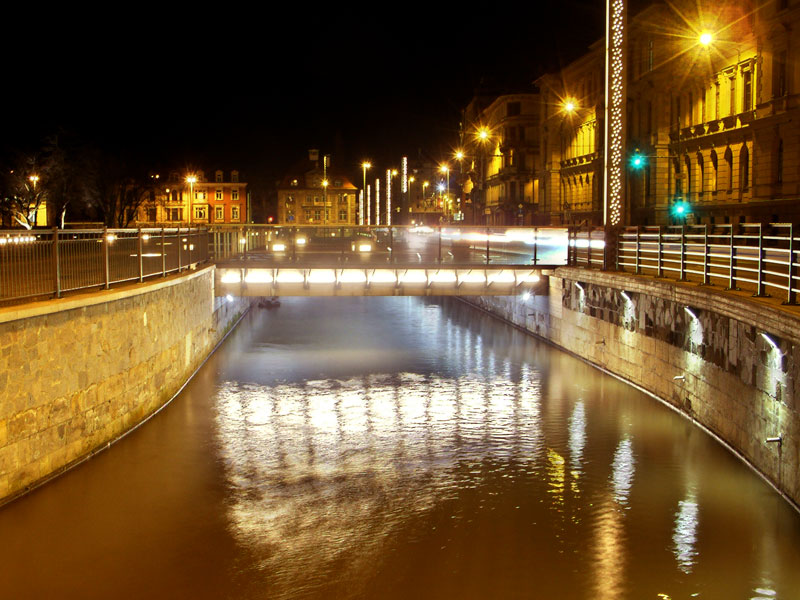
{"type": "Point", "coordinates": [255, 87]}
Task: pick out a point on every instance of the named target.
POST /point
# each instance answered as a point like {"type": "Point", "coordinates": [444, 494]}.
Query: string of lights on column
{"type": "Point", "coordinates": [615, 112]}
{"type": "Point", "coordinates": [404, 181]}
{"type": "Point", "coordinates": [367, 201]}
{"type": "Point", "coordinates": [388, 196]}
{"type": "Point", "coordinates": [378, 201]}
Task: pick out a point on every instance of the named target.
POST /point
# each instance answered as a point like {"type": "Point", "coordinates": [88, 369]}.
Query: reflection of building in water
{"type": "Point", "coordinates": [685, 534]}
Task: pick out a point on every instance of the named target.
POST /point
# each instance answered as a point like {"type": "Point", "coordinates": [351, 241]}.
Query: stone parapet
{"type": "Point", "coordinates": [77, 373]}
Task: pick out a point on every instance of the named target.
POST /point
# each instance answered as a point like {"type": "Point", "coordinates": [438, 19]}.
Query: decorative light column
{"type": "Point", "coordinates": [367, 203]}
{"type": "Point", "coordinates": [614, 197]}
{"type": "Point", "coordinates": [378, 201]}
{"type": "Point", "coordinates": [364, 166]}
{"type": "Point", "coordinates": [388, 196]}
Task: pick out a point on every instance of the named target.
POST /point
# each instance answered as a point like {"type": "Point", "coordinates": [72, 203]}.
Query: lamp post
{"type": "Point", "coordinates": [445, 168]}
{"type": "Point", "coordinates": [364, 166]}
{"type": "Point", "coordinates": [191, 180]}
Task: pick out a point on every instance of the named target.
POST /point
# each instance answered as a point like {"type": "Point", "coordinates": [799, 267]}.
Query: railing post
{"type": "Point", "coordinates": [163, 256]}
{"type": "Point", "coordinates": [440, 243]}
{"type": "Point", "coordinates": [56, 263]}
{"type": "Point", "coordinates": [732, 262]}
{"type": "Point", "coordinates": [536, 246]}
{"type": "Point", "coordinates": [638, 249]}
{"type": "Point", "coordinates": [682, 276]}
{"type": "Point", "coordinates": [341, 237]}
{"type": "Point", "coordinates": [706, 265]}
{"type": "Point", "coordinates": [791, 296]}
{"type": "Point", "coordinates": [589, 248]}
{"type": "Point", "coordinates": [391, 244]}
{"type": "Point", "coordinates": [179, 243]}
{"type": "Point", "coordinates": [487, 245]}
{"type": "Point", "coordinates": [106, 243]}
{"type": "Point", "coordinates": [660, 252]}
{"type": "Point", "coordinates": [760, 290]}
{"type": "Point", "coordinates": [141, 263]}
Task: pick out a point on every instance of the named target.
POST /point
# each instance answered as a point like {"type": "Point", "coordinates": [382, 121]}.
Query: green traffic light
{"type": "Point", "coordinates": [638, 160]}
{"type": "Point", "coordinates": [681, 208]}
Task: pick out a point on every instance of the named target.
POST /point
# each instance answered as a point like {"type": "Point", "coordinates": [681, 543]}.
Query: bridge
{"type": "Point", "coordinates": [256, 260]}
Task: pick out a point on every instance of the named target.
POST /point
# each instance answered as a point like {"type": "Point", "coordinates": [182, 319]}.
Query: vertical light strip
{"type": "Point", "coordinates": [404, 162]}
{"type": "Point", "coordinates": [615, 113]}
{"type": "Point", "coordinates": [388, 196]}
{"type": "Point", "coordinates": [367, 199]}
{"type": "Point", "coordinates": [378, 201]}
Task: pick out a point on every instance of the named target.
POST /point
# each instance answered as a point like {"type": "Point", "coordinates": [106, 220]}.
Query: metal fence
{"type": "Point", "coordinates": [755, 256]}
{"type": "Point", "coordinates": [48, 263]}
{"type": "Point", "coordinates": [395, 245]}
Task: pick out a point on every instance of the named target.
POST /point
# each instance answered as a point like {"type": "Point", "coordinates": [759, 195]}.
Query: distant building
{"type": "Point", "coordinates": [176, 200]}
{"type": "Point", "coordinates": [501, 139]}
{"type": "Point", "coordinates": [303, 199]}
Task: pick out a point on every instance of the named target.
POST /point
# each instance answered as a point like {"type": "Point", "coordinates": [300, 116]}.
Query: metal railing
{"type": "Point", "coordinates": [755, 256]}
{"type": "Point", "coordinates": [394, 245]}
{"type": "Point", "coordinates": [41, 263]}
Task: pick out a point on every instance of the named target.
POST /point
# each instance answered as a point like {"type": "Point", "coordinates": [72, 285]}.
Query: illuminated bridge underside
{"type": "Point", "coordinates": [375, 281]}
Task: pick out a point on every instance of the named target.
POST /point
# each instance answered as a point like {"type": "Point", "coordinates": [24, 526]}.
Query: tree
{"type": "Point", "coordinates": [23, 192]}
{"type": "Point", "coordinates": [113, 192]}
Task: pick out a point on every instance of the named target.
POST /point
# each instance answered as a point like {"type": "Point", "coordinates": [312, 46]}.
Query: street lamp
{"type": "Point", "coordinates": [191, 180]}
{"type": "Point", "coordinates": [364, 166]}
{"type": "Point", "coordinates": [706, 38]}
{"type": "Point", "coordinates": [445, 168]}
{"type": "Point", "coordinates": [34, 179]}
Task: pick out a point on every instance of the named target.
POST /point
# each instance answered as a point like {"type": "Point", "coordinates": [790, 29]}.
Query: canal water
{"type": "Point", "coordinates": [403, 448]}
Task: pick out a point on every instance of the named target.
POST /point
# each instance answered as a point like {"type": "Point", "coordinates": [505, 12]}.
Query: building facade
{"type": "Point", "coordinates": [304, 197]}
{"type": "Point", "coordinates": [501, 138]}
{"type": "Point", "coordinates": [713, 122]}
{"type": "Point", "coordinates": [184, 199]}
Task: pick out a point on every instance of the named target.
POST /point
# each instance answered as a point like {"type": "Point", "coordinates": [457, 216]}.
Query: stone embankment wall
{"type": "Point", "coordinates": [731, 364]}
{"type": "Point", "coordinates": [77, 373]}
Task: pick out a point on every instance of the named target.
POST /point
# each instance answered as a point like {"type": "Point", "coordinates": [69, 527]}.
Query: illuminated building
{"type": "Point", "coordinates": [712, 127]}
{"type": "Point", "coordinates": [500, 136]}
{"type": "Point", "coordinates": [191, 199]}
{"type": "Point", "coordinates": [305, 199]}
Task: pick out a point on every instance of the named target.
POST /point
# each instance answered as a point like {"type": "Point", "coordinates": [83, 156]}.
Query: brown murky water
{"type": "Point", "coordinates": [403, 448]}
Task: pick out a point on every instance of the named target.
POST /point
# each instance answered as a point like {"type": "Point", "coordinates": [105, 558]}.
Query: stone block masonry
{"type": "Point", "coordinates": [79, 372]}
{"type": "Point", "coordinates": [729, 363]}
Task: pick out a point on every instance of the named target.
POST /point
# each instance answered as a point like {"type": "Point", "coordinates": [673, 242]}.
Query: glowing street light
{"type": "Point", "coordinates": [569, 106]}
{"type": "Point", "coordinates": [706, 38]}
{"type": "Point", "coordinates": [483, 134]}
{"type": "Point", "coordinates": [34, 179]}
{"type": "Point", "coordinates": [364, 166]}
{"type": "Point", "coordinates": [191, 180]}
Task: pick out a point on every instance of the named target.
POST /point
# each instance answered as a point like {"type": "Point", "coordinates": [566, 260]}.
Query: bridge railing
{"type": "Point", "coordinates": [40, 263]}
{"type": "Point", "coordinates": [396, 245]}
{"type": "Point", "coordinates": [756, 256]}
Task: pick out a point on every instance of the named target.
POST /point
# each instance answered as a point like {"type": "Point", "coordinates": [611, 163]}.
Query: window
{"type": "Point", "coordinates": [151, 214]}
{"type": "Point", "coordinates": [342, 198]}
{"type": "Point", "coordinates": [729, 166]}
{"type": "Point", "coordinates": [715, 173]}
{"type": "Point", "coordinates": [219, 213]}
{"type": "Point", "coordinates": [235, 195]}
{"type": "Point", "coordinates": [716, 100]}
{"type": "Point", "coordinates": [294, 183]}
{"type": "Point", "coordinates": [200, 213]}
{"type": "Point", "coordinates": [779, 79]}
{"type": "Point", "coordinates": [747, 93]}
{"type": "Point", "coordinates": [176, 214]}
{"type": "Point", "coordinates": [513, 109]}
{"type": "Point", "coordinates": [218, 176]}
{"type": "Point", "coordinates": [235, 176]}
{"type": "Point", "coordinates": [289, 200]}
{"type": "Point", "coordinates": [732, 80]}
{"type": "Point", "coordinates": [234, 213]}
{"type": "Point", "coordinates": [337, 183]}
{"type": "Point", "coordinates": [701, 172]}
{"type": "Point", "coordinates": [218, 195]}
{"type": "Point", "coordinates": [343, 215]}
{"type": "Point", "coordinates": [650, 55]}
{"type": "Point", "coordinates": [317, 214]}
{"type": "Point", "coordinates": [308, 215]}
{"type": "Point", "coordinates": [744, 166]}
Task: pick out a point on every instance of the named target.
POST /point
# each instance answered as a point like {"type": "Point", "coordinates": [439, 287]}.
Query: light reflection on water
{"type": "Point", "coordinates": [401, 448]}
{"type": "Point", "coordinates": [470, 452]}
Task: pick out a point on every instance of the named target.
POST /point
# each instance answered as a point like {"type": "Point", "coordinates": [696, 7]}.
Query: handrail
{"type": "Point", "coordinates": [49, 262]}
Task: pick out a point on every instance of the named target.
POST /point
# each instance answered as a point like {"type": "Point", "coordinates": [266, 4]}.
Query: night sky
{"type": "Point", "coordinates": [242, 88]}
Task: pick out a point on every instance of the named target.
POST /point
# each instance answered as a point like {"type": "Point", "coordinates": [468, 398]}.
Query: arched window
{"type": "Point", "coordinates": [729, 166]}
{"type": "Point", "coordinates": [744, 167]}
{"type": "Point", "coordinates": [689, 183]}
{"type": "Point", "coordinates": [701, 174]}
{"type": "Point", "coordinates": [715, 171]}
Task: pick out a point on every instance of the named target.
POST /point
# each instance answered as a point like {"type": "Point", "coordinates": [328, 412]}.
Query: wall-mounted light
{"type": "Point", "coordinates": [579, 286]}
{"type": "Point", "coordinates": [771, 342]}
{"type": "Point", "coordinates": [691, 313]}
{"type": "Point", "coordinates": [624, 294]}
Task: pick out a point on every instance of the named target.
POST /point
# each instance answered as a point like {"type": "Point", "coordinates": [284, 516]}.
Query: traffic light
{"type": "Point", "coordinates": [638, 160]}
{"type": "Point", "coordinates": [680, 209]}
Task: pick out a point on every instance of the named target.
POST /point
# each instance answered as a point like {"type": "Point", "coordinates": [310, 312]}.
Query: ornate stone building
{"type": "Point", "coordinates": [501, 136]}
{"type": "Point", "coordinates": [303, 199]}
{"type": "Point", "coordinates": [714, 120]}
